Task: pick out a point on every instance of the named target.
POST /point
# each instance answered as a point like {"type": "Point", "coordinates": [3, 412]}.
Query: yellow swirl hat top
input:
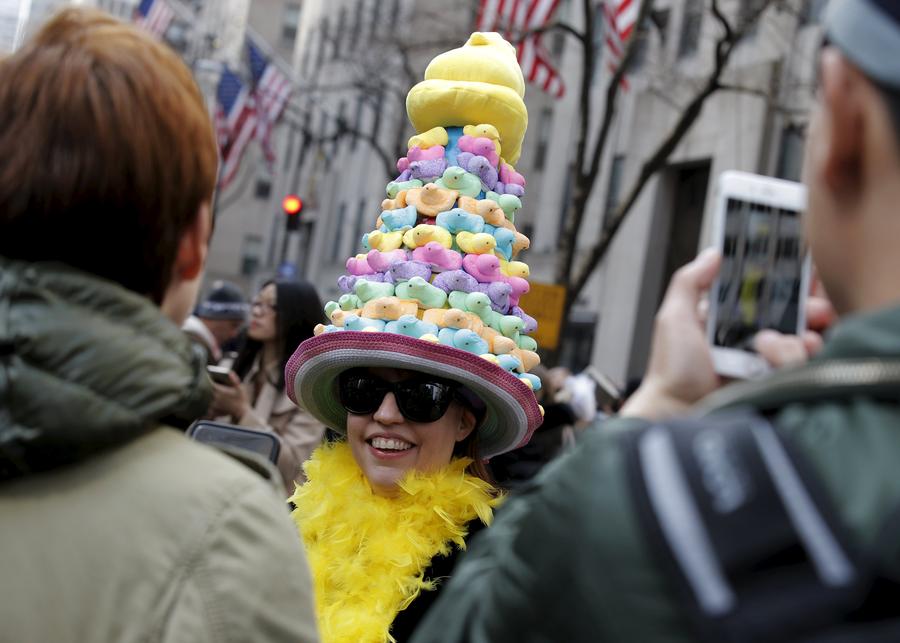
{"type": "Point", "coordinates": [480, 82]}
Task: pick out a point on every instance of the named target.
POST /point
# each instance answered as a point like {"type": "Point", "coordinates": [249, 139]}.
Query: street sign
{"type": "Point", "coordinates": [545, 302]}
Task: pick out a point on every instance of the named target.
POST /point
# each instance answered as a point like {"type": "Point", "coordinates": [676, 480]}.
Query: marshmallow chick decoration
{"type": "Point", "coordinates": [456, 230]}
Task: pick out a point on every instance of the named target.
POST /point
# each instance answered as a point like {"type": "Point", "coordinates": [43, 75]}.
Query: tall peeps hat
{"type": "Point", "coordinates": [438, 285]}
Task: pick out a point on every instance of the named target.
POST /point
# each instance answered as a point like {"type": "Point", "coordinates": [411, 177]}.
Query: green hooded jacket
{"type": "Point", "coordinates": [115, 528]}
{"type": "Point", "coordinates": [567, 560]}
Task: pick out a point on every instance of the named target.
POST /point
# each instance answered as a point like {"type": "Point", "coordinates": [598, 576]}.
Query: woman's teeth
{"type": "Point", "coordinates": [390, 444]}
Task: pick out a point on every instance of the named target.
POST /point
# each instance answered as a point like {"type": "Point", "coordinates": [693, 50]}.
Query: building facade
{"type": "Point", "coordinates": [353, 62]}
{"type": "Point", "coordinates": [758, 127]}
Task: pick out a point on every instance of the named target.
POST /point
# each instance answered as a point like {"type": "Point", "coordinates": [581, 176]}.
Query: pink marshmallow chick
{"type": "Point", "coordinates": [402, 164]}
{"type": "Point", "coordinates": [432, 153]}
{"type": "Point", "coordinates": [359, 266]}
{"type": "Point", "coordinates": [438, 256]}
{"type": "Point", "coordinates": [508, 175]}
{"type": "Point", "coordinates": [519, 287]}
{"type": "Point", "coordinates": [480, 146]}
{"type": "Point", "coordinates": [381, 261]}
{"type": "Point", "coordinates": [485, 268]}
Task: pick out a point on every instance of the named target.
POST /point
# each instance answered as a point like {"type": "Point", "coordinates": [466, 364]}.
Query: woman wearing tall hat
{"type": "Point", "coordinates": [424, 368]}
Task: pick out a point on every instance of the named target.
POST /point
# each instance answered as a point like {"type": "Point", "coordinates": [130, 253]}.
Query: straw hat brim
{"type": "Point", "coordinates": [512, 412]}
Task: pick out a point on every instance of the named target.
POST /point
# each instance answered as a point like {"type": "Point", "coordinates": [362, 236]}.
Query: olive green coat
{"type": "Point", "coordinates": [114, 528]}
{"type": "Point", "coordinates": [567, 559]}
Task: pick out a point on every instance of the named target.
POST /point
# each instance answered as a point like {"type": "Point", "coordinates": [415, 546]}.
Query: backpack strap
{"type": "Point", "coordinates": [740, 523]}
{"type": "Point", "coordinates": [875, 378]}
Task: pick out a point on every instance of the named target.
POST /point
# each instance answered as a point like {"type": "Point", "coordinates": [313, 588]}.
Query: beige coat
{"type": "Point", "coordinates": [162, 539]}
{"type": "Point", "coordinates": [300, 432]}
{"type": "Point", "coordinates": [113, 528]}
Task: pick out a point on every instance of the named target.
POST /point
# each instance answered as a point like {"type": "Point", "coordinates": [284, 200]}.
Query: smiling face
{"type": "Point", "coordinates": [386, 445]}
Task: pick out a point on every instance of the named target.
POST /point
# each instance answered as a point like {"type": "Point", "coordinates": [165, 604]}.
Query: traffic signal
{"type": "Point", "coordinates": [292, 206]}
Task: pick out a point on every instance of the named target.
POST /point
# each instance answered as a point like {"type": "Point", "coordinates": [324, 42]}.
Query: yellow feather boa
{"type": "Point", "coordinates": [368, 553]}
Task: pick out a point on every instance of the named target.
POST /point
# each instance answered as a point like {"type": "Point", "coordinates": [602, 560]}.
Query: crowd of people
{"type": "Point", "coordinates": [421, 492]}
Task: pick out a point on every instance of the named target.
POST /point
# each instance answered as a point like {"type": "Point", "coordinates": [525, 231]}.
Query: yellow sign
{"type": "Point", "coordinates": [545, 303]}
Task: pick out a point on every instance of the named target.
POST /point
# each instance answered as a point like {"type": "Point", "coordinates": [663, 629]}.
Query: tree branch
{"type": "Point", "coordinates": [724, 48]}
{"type": "Point", "coordinates": [581, 36]}
{"type": "Point", "coordinates": [585, 178]}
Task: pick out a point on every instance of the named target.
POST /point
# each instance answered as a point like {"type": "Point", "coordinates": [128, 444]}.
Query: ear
{"type": "Point", "coordinates": [193, 246]}
{"type": "Point", "coordinates": [466, 424]}
{"type": "Point", "coordinates": [842, 163]}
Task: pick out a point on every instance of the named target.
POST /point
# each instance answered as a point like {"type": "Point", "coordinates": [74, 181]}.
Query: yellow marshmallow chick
{"type": "Point", "coordinates": [480, 82]}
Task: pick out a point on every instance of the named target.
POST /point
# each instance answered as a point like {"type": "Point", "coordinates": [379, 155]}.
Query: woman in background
{"type": "Point", "coordinates": [282, 315]}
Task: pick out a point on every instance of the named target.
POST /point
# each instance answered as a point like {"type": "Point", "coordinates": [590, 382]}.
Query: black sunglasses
{"type": "Point", "coordinates": [420, 399]}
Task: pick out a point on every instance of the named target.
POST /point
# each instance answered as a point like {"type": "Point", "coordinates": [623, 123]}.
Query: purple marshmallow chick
{"type": "Point", "coordinates": [530, 322]}
{"type": "Point", "coordinates": [451, 280]}
{"type": "Point", "coordinates": [406, 270]}
{"type": "Point", "coordinates": [482, 168]}
{"type": "Point", "coordinates": [498, 292]}
{"type": "Point", "coordinates": [427, 169]}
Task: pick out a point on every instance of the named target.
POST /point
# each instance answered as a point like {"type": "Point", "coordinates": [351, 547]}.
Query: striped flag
{"type": "Point", "coordinates": [235, 123]}
{"type": "Point", "coordinates": [155, 16]}
{"type": "Point", "coordinates": [514, 19]}
{"type": "Point", "coordinates": [620, 18]}
{"type": "Point", "coordinates": [271, 90]}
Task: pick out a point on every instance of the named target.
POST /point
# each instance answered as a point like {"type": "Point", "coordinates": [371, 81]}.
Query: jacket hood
{"type": "Point", "coordinates": [85, 365]}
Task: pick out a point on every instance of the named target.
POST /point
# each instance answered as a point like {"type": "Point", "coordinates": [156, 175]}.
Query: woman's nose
{"type": "Point", "coordinates": [388, 412]}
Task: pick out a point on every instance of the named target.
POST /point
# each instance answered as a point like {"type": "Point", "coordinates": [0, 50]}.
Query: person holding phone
{"type": "Point", "coordinates": [116, 527]}
{"type": "Point", "coordinates": [761, 511]}
{"type": "Point", "coordinates": [282, 315]}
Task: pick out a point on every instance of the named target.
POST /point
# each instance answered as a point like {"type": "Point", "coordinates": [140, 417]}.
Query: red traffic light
{"type": "Point", "coordinates": [292, 204]}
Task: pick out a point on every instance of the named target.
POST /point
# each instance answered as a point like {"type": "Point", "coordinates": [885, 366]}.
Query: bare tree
{"type": "Point", "coordinates": [574, 271]}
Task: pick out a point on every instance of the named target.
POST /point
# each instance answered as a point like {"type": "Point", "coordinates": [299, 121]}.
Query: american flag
{"type": "Point", "coordinates": [620, 18]}
{"type": "Point", "coordinates": [515, 18]}
{"type": "Point", "coordinates": [235, 123]}
{"type": "Point", "coordinates": [271, 89]}
{"type": "Point", "coordinates": [155, 16]}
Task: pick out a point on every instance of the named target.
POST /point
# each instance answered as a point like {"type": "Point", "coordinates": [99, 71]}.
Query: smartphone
{"type": "Point", "coordinates": [219, 374]}
{"type": "Point", "coordinates": [765, 270]}
{"type": "Point", "coordinates": [221, 434]}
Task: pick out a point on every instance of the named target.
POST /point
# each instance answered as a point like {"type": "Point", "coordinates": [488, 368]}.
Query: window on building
{"type": "Point", "coordinates": [304, 143]}
{"type": "Point", "coordinates": [545, 120]}
{"type": "Point", "coordinates": [614, 185]}
{"type": "Point", "coordinates": [812, 11]}
{"type": "Point", "coordinates": [599, 42]}
{"type": "Point", "coordinates": [263, 187]}
{"type": "Point", "coordinates": [691, 24]}
{"type": "Point", "coordinates": [357, 120]}
{"type": "Point", "coordinates": [356, 29]}
{"type": "Point", "coordinates": [340, 125]}
{"type": "Point", "coordinates": [376, 122]}
{"type": "Point", "coordinates": [659, 18]}
{"type": "Point", "coordinates": [750, 12]}
{"type": "Point", "coordinates": [290, 22]}
{"type": "Point", "coordinates": [641, 46]}
{"type": "Point", "coordinates": [339, 43]}
{"type": "Point", "coordinates": [363, 225]}
{"type": "Point", "coordinates": [375, 17]}
{"type": "Point", "coordinates": [309, 52]}
{"type": "Point", "coordinates": [340, 224]}
{"type": "Point", "coordinates": [324, 30]}
{"type": "Point", "coordinates": [790, 153]}
{"type": "Point", "coordinates": [564, 204]}
{"type": "Point", "coordinates": [251, 254]}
